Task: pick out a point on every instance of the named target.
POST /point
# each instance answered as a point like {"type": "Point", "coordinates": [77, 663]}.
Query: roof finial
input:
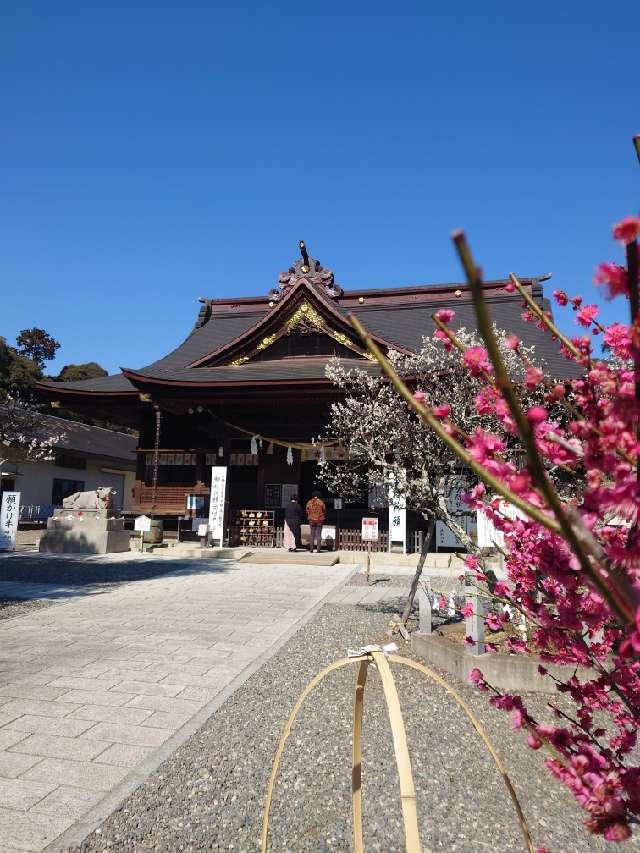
{"type": "Point", "coordinates": [305, 257]}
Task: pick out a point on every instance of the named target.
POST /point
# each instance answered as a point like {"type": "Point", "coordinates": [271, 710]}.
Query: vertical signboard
{"type": "Point", "coordinates": [9, 514]}
{"type": "Point", "coordinates": [217, 502]}
{"type": "Point", "coordinates": [369, 530]}
{"type": "Point", "coordinates": [397, 514]}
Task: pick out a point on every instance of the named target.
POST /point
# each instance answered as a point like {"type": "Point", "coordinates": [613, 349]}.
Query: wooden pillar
{"type": "Point", "coordinates": [200, 468]}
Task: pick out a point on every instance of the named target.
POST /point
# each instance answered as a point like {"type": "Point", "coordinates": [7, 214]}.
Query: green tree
{"type": "Point", "coordinates": [78, 372]}
{"type": "Point", "coordinates": [18, 374]}
{"type": "Point", "coordinates": [37, 345]}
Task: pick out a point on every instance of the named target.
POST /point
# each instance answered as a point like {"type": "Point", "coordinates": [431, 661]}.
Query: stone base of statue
{"type": "Point", "coordinates": [72, 531]}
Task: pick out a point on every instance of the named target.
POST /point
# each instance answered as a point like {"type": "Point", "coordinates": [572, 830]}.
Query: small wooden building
{"type": "Point", "coordinates": [255, 367]}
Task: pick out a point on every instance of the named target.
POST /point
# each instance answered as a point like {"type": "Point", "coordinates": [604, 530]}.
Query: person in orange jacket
{"type": "Point", "coordinates": [316, 514]}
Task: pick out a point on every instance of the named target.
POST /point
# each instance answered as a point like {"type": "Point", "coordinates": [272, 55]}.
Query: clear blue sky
{"type": "Point", "coordinates": [153, 152]}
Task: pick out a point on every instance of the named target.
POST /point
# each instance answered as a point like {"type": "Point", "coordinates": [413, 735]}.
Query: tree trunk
{"type": "Point", "coordinates": [449, 519]}
{"type": "Point", "coordinates": [416, 578]}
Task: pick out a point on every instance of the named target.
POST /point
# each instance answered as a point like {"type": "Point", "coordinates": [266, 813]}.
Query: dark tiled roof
{"type": "Point", "coordinates": [92, 440]}
{"type": "Point", "coordinates": [408, 325]}
{"type": "Point", "coordinates": [262, 371]}
{"type": "Point", "coordinates": [117, 383]}
{"type": "Point", "coordinates": [401, 316]}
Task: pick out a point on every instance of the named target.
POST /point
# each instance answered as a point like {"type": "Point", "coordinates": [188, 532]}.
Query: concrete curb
{"type": "Point", "coordinates": [88, 823]}
{"type": "Point", "coordinates": [511, 673]}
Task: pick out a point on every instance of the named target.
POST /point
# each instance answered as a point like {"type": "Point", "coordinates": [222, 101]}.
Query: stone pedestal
{"type": "Point", "coordinates": [72, 531]}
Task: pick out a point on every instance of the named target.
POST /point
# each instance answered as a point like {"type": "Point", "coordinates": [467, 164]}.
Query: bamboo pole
{"type": "Point", "coordinates": [356, 764]}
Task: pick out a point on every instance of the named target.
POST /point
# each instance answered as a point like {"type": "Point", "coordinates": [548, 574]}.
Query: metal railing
{"type": "Point", "coordinates": [36, 512]}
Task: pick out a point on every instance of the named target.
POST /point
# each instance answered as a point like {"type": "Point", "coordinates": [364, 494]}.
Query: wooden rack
{"type": "Point", "coordinates": [255, 527]}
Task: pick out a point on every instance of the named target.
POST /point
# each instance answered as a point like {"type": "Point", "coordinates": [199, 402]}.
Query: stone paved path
{"type": "Point", "coordinates": [96, 692]}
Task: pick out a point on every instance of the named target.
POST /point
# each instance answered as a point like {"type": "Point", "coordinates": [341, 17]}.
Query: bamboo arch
{"type": "Point", "coordinates": [375, 654]}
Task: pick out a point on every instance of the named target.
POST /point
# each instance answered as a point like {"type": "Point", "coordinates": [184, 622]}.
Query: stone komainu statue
{"type": "Point", "coordinates": [99, 499]}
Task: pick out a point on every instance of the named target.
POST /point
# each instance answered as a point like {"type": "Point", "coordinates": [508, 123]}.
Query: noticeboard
{"type": "Point", "coordinates": [142, 524]}
{"type": "Point", "coordinates": [369, 529]}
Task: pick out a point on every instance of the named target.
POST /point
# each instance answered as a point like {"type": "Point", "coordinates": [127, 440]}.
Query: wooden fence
{"type": "Point", "coordinates": [351, 540]}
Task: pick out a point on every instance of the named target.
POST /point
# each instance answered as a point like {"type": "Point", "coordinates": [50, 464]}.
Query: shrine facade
{"type": "Point", "coordinates": [247, 387]}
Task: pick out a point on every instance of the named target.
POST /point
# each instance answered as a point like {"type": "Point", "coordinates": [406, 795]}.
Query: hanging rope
{"type": "Point", "coordinates": [294, 445]}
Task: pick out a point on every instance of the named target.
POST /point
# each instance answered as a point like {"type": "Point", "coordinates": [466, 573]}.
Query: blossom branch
{"type": "Point", "coordinates": [616, 600]}
{"type": "Point", "coordinates": [427, 416]}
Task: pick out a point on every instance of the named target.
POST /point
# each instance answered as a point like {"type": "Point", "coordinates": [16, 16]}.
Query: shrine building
{"type": "Point", "coordinates": [247, 387]}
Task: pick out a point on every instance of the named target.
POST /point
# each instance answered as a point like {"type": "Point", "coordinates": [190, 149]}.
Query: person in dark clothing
{"type": "Point", "coordinates": [316, 514]}
{"type": "Point", "coordinates": [292, 522]}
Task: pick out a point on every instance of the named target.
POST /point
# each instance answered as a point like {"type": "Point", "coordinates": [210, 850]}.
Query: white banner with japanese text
{"type": "Point", "coordinates": [9, 515]}
{"type": "Point", "coordinates": [217, 502]}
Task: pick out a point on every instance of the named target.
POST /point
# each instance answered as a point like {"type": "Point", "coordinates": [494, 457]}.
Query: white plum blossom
{"type": "Point", "coordinates": [25, 434]}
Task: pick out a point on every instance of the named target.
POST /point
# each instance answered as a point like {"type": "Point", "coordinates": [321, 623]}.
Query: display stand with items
{"type": "Point", "coordinates": [255, 527]}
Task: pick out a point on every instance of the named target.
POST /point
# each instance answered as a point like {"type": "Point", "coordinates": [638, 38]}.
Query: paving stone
{"type": "Point", "coordinates": [213, 679]}
{"type": "Point", "coordinates": [160, 703]}
{"type": "Point", "coordinates": [81, 682]}
{"type": "Point", "coordinates": [105, 714]}
{"type": "Point", "coordinates": [82, 774]}
{"type": "Point", "coordinates": [165, 720]}
{"type": "Point", "coordinates": [146, 689]}
{"type": "Point", "coordinates": [148, 676]}
{"type": "Point", "coordinates": [198, 694]}
{"type": "Point", "coordinates": [134, 735]}
{"type": "Point", "coordinates": [28, 691]}
{"type": "Point", "coordinates": [7, 718]}
{"type": "Point", "coordinates": [30, 831]}
{"type": "Point", "coordinates": [124, 755]}
{"type": "Point", "coordinates": [67, 802]}
{"type": "Point", "coordinates": [12, 764]}
{"type": "Point", "coordinates": [51, 746]}
{"type": "Point", "coordinates": [48, 725]}
{"type": "Point", "coordinates": [96, 697]}
{"type": "Point", "coordinates": [38, 708]}
{"type": "Point", "coordinates": [90, 691]}
{"type": "Point", "coordinates": [24, 793]}
{"type": "Point", "coordinates": [9, 737]}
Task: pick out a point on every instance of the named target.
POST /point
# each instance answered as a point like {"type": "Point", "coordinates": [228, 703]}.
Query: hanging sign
{"type": "Point", "coordinates": [398, 514]}
{"type": "Point", "coordinates": [217, 502]}
{"type": "Point", "coordinates": [369, 530]}
{"type": "Point", "coordinates": [9, 514]}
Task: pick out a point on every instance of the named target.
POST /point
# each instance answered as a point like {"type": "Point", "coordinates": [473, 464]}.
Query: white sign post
{"type": "Point", "coordinates": [369, 534]}
{"type": "Point", "coordinates": [143, 525]}
{"type": "Point", "coordinates": [9, 515]}
{"type": "Point", "coordinates": [398, 516]}
{"type": "Point", "coordinates": [217, 503]}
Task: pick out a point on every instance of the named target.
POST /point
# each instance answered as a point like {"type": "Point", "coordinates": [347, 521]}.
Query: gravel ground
{"type": "Point", "coordinates": [209, 794]}
{"type": "Point", "coordinates": [12, 607]}
{"type": "Point", "coordinates": [380, 579]}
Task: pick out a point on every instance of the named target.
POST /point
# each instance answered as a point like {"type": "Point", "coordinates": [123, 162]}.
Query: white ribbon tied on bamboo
{"type": "Point", "coordinates": [386, 650]}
